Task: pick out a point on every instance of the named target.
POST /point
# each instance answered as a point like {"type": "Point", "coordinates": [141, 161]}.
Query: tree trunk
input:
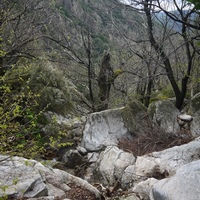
{"type": "Point", "coordinates": [159, 49]}
{"type": "Point", "coordinates": [105, 80]}
{"type": "Point", "coordinates": [148, 92]}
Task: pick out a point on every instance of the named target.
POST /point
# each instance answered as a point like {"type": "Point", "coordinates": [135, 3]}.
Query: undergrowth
{"type": "Point", "coordinates": [154, 139]}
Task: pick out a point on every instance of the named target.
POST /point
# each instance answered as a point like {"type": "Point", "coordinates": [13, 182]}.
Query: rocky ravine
{"type": "Point", "coordinates": [172, 173]}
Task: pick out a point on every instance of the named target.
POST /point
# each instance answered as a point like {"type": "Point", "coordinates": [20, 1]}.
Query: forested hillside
{"type": "Point", "coordinates": [76, 57]}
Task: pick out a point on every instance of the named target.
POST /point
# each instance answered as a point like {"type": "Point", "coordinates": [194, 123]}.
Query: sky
{"type": "Point", "coordinates": [166, 4]}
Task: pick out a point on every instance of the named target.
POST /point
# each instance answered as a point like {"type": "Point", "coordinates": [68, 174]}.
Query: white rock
{"type": "Point", "coordinates": [144, 188]}
{"type": "Point", "coordinates": [168, 160]}
{"type": "Point", "coordinates": [128, 177]}
{"type": "Point", "coordinates": [183, 185]}
{"type": "Point", "coordinates": [43, 198]}
{"type": "Point", "coordinates": [195, 124]}
{"type": "Point", "coordinates": [28, 178]}
{"type": "Point", "coordinates": [129, 197]}
{"type": "Point", "coordinates": [186, 118]}
{"type": "Point", "coordinates": [92, 157]}
{"type": "Point", "coordinates": [81, 150]}
{"type": "Point", "coordinates": [164, 114]}
{"type": "Point", "coordinates": [112, 163]}
{"type": "Point", "coordinates": [123, 160]}
{"type": "Point", "coordinates": [103, 129]}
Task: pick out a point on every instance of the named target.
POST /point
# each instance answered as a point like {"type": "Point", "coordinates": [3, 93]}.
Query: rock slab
{"type": "Point", "coordinates": [103, 129]}
{"type": "Point", "coordinates": [23, 178]}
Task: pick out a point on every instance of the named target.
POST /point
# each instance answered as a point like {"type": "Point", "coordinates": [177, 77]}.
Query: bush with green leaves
{"type": "Point", "coordinates": [19, 130]}
{"type": "Point", "coordinates": [26, 92]}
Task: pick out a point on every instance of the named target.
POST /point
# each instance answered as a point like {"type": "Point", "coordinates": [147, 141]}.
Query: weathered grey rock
{"type": "Point", "coordinates": [167, 161]}
{"type": "Point", "coordinates": [129, 197]}
{"type": "Point", "coordinates": [43, 198]}
{"type": "Point", "coordinates": [81, 150]}
{"type": "Point", "coordinates": [123, 160]}
{"type": "Point", "coordinates": [103, 129]}
{"type": "Point", "coordinates": [111, 164]}
{"type": "Point", "coordinates": [92, 157]}
{"type": "Point", "coordinates": [128, 178]}
{"type": "Point", "coordinates": [183, 185]}
{"type": "Point", "coordinates": [195, 103]}
{"type": "Point", "coordinates": [20, 178]}
{"type": "Point", "coordinates": [52, 190]}
{"type": "Point", "coordinates": [88, 176]}
{"type": "Point", "coordinates": [135, 117]}
{"type": "Point", "coordinates": [195, 125]}
{"type": "Point", "coordinates": [69, 121]}
{"type": "Point", "coordinates": [53, 164]}
{"type": "Point", "coordinates": [144, 188]}
{"type": "Point", "coordinates": [185, 117]}
{"type": "Point", "coordinates": [184, 122]}
{"type": "Point", "coordinates": [72, 158]}
{"type": "Point", "coordinates": [164, 115]}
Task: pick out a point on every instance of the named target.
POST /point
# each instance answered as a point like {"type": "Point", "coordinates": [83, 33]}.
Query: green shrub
{"type": "Point", "coordinates": [26, 92]}
{"type": "Point", "coordinates": [19, 129]}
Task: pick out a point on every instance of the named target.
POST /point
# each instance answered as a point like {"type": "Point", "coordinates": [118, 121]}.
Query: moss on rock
{"type": "Point", "coordinates": [135, 117]}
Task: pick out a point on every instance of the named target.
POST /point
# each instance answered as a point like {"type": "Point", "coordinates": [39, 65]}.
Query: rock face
{"type": "Point", "coordinates": [195, 125]}
{"type": "Point", "coordinates": [144, 188]}
{"type": "Point", "coordinates": [22, 178]}
{"type": "Point", "coordinates": [135, 117]}
{"type": "Point", "coordinates": [195, 103]}
{"type": "Point", "coordinates": [164, 115]}
{"type": "Point", "coordinates": [129, 178]}
{"type": "Point", "coordinates": [173, 173]}
{"type": "Point", "coordinates": [103, 129]}
{"type": "Point", "coordinates": [183, 185]}
{"type": "Point", "coordinates": [167, 161]}
{"type": "Point", "coordinates": [111, 165]}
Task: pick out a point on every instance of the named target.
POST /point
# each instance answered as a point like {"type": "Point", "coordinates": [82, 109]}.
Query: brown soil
{"type": "Point", "coordinates": [78, 193]}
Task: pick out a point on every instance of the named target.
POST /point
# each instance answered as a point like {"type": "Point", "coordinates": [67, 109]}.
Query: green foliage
{"type": "Point", "coordinates": [3, 188]}
{"type": "Point", "coordinates": [23, 100]}
{"type": "Point", "coordinates": [117, 72]}
{"type": "Point", "coordinates": [19, 130]}
{"type": "Point", "coordinates": [56, 132]}
{"type": "Point", "coordinates": [15, 180]}
{"type": "Point", "coordinates": [100, 43]}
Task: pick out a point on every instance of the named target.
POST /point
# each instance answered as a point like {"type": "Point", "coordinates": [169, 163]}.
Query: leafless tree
{"type": "Point", "coordinates": [21, 25]}
{"type": "Point", "coordinates": [187, 36]}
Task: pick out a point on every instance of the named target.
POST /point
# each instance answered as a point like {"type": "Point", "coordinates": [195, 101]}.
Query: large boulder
{"type": "Point", "coordinates": [135, 117]}
{"type": "Point", "coordinates": [183, 185]}
{"type": "Point", "coordinates": [164, 115]}
{"type": "Point", "coordinates": [129, 178]}
{"type": "Point", "coordinates": [111, 165]}
{"type": "Point", "coordinates": [161, 164]}
{"type": "Point", "coordinates": [144, 188]}
{"type": "Point", "coordinates": [21, 178]}
{"type": "Point", "coordinates": [129, 197]}
{"type": "Point", "coordinates": [195, 103]}
{"type": "Point", "coordinates": [103, 129]}
{"type": "Point", "coordinates": [195, 124]}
